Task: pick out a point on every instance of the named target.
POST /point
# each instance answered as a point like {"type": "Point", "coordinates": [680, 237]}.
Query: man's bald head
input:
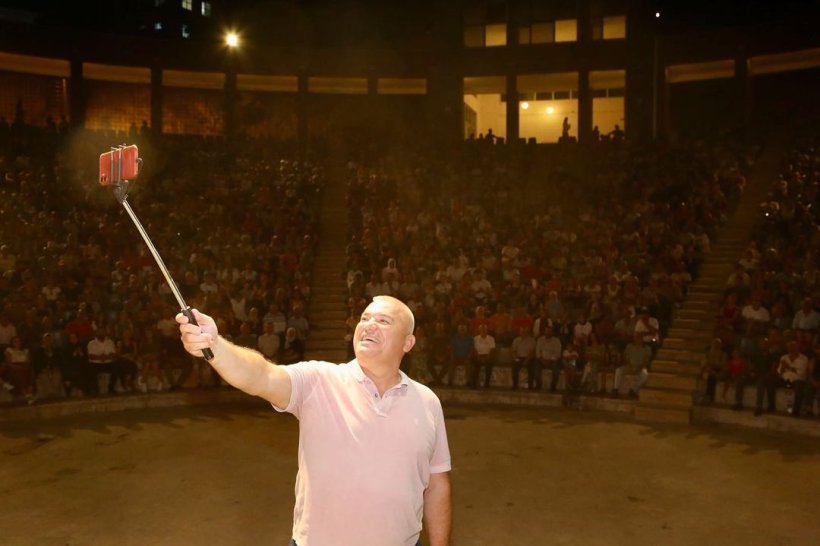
{"type": "Point", "coordinates": [404, 312]}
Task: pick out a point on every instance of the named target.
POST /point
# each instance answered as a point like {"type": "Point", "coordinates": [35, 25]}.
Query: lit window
{"type": "Point", "coordinates": [614, 27]}
{"type": "Point", "coordinates": [185, 32]}
{"type": "Point", "coordinates": [523, 35]}
{"type": "Point", "coordinates": [496, 35]}
{"type": "Point", "coordinates": [543, 33]}
{"type": "Point", "coordinates": [206, 9]}
{"type": "Point", "coordinates": [566, 30]}
{"type": "Point", "coordinates": [188, 4]}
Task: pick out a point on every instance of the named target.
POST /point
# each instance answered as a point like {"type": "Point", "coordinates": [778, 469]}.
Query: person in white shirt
{"type": "Point", "coordinates": [548, 352]}
{"type": "Point", "coordinates": [792, 371]}
{"type": "Point", "coordinates": [7, 331]}
{"type": "Point", "coordinates": [483, 347]}
{"type": "Point", "coordinates": [754, 312]}
{"type": "Point", "coordinates": [269, 343]}
{"type": "Point", "coordinates": [102, 354]}
{"type": "Point", "coordinates": [806, 318]}
{"type": "Point", "coordinates": [523, 349]}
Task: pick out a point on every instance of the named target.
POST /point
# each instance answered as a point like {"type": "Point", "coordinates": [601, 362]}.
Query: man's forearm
{"type": "Point", "coordinates": [243, 368]}
{"type": "Point", "coordinates": [438, 510]}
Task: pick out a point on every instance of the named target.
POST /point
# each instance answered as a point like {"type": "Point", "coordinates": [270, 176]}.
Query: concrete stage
{"type": "Point", "coordinates": [223, 475]}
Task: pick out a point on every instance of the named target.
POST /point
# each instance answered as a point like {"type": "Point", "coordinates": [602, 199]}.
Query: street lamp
{"type": "Point", "coordinates": [232, 39]}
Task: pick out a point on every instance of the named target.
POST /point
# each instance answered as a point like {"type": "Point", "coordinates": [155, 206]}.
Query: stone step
{"type": "Point", "coordinates": [708, 294]}
{"type": "Point", "coordinates": [326, 345]}
{"type": "Point", "coordinates": [337, 357]}
{"type": "Point", "coordinates": [725, 256]}
{"type": "Point", "coordinates": [330, 272]}
{"type": "Point", "coordinates": [700, 305]}
{"type": "Point", "coordinates": [329, 281]}
{"type": "Point", "coordinates": [335, 318]}
{"type": "Point", "coordinates": [674, 367]}
{"type": "Point", "coordinates": [697, 314]}
{"type": "Point", "coordinates": [710, 281]}
{"type": "Point", "coordinates": [715, 268]}
{"type": "Point", "coordinates": [327, 333]}
{"type": "Point", "coordinates": [678, 355]}
{"type": "Point", "coordinates": [684, 344]}
{"type": "Point", "coordinates": [672, 381]}
{"type": "Point", "coordinates": [674, 343]}
{"type": "Point", "coordinates": [692, 324]}
{"type": "Point", "coordinates": [689, 333]}
{"type": "Point", "coordinates": [668, 398]}
{"type": "Point", "coordinates": [327, 306]}
{"type": "Point", "coordinates": [336, 314]}
{"type": "Point", "coordinates": [661, 415]}
{"type": "Point", "coordinates": [328, 285]}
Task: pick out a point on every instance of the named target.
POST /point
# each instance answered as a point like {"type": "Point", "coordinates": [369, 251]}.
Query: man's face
{"type": "Point", "coordinates": [383, 332]}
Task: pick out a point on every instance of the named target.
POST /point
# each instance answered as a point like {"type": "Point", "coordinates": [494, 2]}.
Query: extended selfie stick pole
{"type": "Point", "coordinates": [121, 193]}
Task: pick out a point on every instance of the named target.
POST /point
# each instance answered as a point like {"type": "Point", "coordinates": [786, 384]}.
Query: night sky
{"type": "Point", "coordinates": [367, 22]}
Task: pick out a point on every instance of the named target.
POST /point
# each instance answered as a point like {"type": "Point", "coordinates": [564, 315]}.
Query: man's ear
{"type": "Point", "coordinates": [409, 342]}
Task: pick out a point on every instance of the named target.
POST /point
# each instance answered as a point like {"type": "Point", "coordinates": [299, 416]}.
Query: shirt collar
{"type": "Point", "coordinates": [359, 375]}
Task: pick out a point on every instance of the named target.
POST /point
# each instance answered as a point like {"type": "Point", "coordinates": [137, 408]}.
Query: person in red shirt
{"type": "Point", "coordinates": [81, 326]}
{"type": "Point", "coordinates": [501, 325]}
{"type": "Point", "coordinates": [521, 319]}
{"type": "Point", "coordinates": [735, 368]}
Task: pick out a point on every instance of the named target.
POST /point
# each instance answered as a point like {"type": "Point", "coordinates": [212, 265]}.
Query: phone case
{"type": "Point", "coordinates": [118, 165]}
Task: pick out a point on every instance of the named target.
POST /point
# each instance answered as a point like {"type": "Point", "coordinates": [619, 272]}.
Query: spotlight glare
{"type": "Point", "coordinates": [232, 39]}
{"type": "Point", "coordinates": [550, 110]}
{"type": "Point", "coordinates": [657, 15]}
{"type": "Point", "coordinates": [525, 105]}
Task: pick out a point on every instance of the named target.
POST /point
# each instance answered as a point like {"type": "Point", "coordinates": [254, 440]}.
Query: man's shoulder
{"type": "Point", "coordinates": [424, 392]}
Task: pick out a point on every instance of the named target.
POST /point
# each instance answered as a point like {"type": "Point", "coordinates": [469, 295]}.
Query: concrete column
{"type": "Point", "coordinates": [744, 89]}
{"type": "Point", "coordinates": [584, 128]}
{"type": "Point", "coordinates": [76, 95]}
{"type": "Point", "coordinates": [156, 100]}
{"type": "Point", "coordinates": [302, 114]}
{"type": "Point", "coordinates": [445, 104]}
{"type": "Point", "coordinates": [513, 117]}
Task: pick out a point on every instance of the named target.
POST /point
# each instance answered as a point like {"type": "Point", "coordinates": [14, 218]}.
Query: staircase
{"type": "Point", "coordinates": [328, 301]}
{"type": "Point", "coordinates": [669, 392]}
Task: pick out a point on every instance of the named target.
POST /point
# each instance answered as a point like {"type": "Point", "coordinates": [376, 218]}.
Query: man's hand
{"type": "Point", "coordinates": [197, 337]}
{"type": "Point", "coordinates": [243, 368]}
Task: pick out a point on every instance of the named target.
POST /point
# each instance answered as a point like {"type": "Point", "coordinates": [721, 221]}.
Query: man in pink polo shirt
{"type": "Point", "coordinates": [373, 453]}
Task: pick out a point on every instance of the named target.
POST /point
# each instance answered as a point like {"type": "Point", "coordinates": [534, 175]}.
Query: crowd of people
{"type": "Point", "coordinates": [85, 310]}
{"type": "Point", "coordinates": [573, 261]}
{"type": "Point", "coordinates": [766, 336]}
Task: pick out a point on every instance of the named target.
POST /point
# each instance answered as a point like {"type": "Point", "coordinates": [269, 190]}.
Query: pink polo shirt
{"type": "Point", "coordinates": [364, 460]}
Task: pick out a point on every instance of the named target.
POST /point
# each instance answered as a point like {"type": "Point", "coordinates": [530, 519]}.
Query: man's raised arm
{"type": "Point", "coordinates": [243, 368]}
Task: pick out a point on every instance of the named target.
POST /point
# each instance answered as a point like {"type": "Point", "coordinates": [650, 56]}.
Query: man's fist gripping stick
{"type": "Point", "coordinates": [117, 168]}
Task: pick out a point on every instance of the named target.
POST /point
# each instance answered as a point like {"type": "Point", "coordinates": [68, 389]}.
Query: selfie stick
{"type": "Point", "coordinates": [121, 193]}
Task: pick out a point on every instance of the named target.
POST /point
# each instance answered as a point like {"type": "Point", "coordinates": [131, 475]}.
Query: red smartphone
{"type": "Point", "coordinates": [118, 165]}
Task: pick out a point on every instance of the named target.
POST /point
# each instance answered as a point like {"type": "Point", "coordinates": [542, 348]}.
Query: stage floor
{"type": "Point", "coordinates": [224, 476]}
